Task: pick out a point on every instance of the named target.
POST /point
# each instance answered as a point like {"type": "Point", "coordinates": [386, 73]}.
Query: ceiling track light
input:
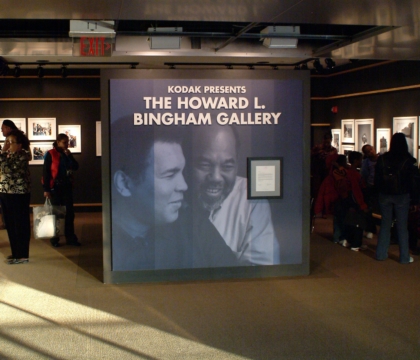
{"type": "Point", "coordinates": [317, 65]}
{"type": "Point", "coordinates": [40, 71]}
{"type": "Point", "coordinates": [16, 71]}
{"type": "Point", "coordinates": [330, 63]}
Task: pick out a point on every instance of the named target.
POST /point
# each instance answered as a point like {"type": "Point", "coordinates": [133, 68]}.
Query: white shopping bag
{"type": "Point", "coordinates": [46, 227]}
{"type": "Point", "coordinates": [49, 220]}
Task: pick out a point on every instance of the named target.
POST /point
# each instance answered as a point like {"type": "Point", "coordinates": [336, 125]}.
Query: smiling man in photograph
{"type": "Point", "coordinates": [229, 229]}
{"type": "Point", "coordinates": [147, 197]}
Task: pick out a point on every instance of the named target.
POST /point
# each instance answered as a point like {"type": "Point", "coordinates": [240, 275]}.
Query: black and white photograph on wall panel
{"type": "Point", "coordinates": [363, 133]}
{"type": "Point", "coordinates": [75, 136]}
{"type": "Point", "coordinates": [98, 139]}
{"type": "Point", "coordinates": [42, 128]}
{"type": "Point", "coordinates": [408, 125]}
{"type": "Point", "coordinates": [38, 151]}
{"type": "Point", "coordinates": [347, 130]}
{"type": "Point", "coordinates": [346, 150]}
{"type": "Point", "coordinates": [383, 138]}
{"type": "Point", "coordinates": [336, 139]}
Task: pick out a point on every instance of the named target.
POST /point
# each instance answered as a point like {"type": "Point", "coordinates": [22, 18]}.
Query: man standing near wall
{"type": "Point", "coordinates": [221, 208]}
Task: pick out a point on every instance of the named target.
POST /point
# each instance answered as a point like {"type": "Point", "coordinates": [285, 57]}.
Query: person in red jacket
{"type": "Point", "coordinates": [340, 191]}
{"type": "Point", "coordinates": [59, 165]}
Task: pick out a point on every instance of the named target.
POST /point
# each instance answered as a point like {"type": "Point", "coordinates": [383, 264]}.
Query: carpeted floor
{"type": "Point", "coordinates": [350, 307]}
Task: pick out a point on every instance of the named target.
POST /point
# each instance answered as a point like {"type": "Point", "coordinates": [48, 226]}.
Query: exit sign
{"type": "Point", "coordinates": [94, 47]}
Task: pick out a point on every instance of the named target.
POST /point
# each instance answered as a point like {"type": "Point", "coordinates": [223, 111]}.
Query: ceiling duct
{"type": "Point", "coordinates": [165, 42]}
{"type": "Point", "coordinates": [91, 28]}
{"type": "Point", "coordinates": [278, 37]}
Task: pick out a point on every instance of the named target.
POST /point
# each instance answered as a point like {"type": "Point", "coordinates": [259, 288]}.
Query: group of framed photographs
{"type": "Point", "coordinates": [355, 133]}
{"type": "Point", "coordinates": [42, 132]}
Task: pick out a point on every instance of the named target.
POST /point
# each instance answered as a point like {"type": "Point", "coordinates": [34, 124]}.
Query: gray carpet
{"type": "Point", "coordinates": [350, 307]}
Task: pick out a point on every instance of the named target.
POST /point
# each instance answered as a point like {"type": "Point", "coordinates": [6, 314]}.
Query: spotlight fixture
{"type": "Point", "coordinates": [16, 71]}
{"type": "Point", "coordinates": [64, 71]}
{"type": "Point", "coordinates": [330, 63]}
{"type": "Point", "coordinates": [304, 66]}
{"type": "Point", "coordinates": [317, 65]}
{"type": "Point", "coordinates": [40, 71]}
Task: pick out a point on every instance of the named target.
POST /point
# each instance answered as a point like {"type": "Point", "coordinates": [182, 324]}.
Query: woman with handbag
{"type": "Point", "coordinates": [59, 165]}
{"type": "Point", "coordinates": [395, 174]}
{"type": "Point", "coordinates": [15, 187]}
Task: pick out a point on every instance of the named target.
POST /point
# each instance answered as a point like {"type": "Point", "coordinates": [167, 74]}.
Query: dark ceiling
{"type": "Point", "coordinates": [214, 32]}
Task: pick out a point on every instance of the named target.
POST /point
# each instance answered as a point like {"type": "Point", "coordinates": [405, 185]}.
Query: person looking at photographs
{"type": "Point", "coordinates": [148, 198]}
{"type": "Point", "coordinates": [7, 126]}
{"type": "Point", "coordinates": [395, 180]}
{"type": "Point", "coordinates": [59, 165]}
{"type": "Point", "coordinates": [242, 230]}
{"type": "Point", "coordinates": [15, 187]}
{"type": "Point", "coordinates": [322, 157]}
{"type": "Point", "coordinates": [370, 193]}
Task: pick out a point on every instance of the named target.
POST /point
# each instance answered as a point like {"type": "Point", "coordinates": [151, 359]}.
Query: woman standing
{"type": "Point", "coordinates": [395, 173]}
{"type": "Point", "coordinates": [59, 165]}
{"type": "Point", "coordinates": [15, 187]}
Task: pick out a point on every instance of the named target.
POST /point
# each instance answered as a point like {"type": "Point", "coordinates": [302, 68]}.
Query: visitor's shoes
{"type": "Point", "coordinates": [363, 247]}
{"type": "Point", "coordinates": [18, 261]}
{"type": "Point", "coordinates": [10, 257]}
{"type": "Point", "coordinates": [355, 248]}
{"type": "Point", "coordinates": [368, 235]}
{"type": "Point", "coordinates": [411, 260]}
{"type": "Point", "coordinates": [344, 243]}
{"type": "Point", "coordinates": [73, 241]}
{"type": "Point", "coordinates": [54, 241]}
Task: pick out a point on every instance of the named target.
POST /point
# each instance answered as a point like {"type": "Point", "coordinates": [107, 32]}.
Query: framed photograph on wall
{"type": "Point", "coordinates": [336, 139]}
{"type": "Point", "coordinates": [98, 139]}
{"type": "Point", "coordinates": [74, 134]}
{"type": "Point", "coordinates": [346, 149]}
{"type": "Point", "coordinates": [38, 151]}
{"type": "Point", "coordinates": [347, 131]}
{"type": "Point", "coordinates": [265, 178]}
{"type": "Point", "coordinates": [383, 139]}
{"type": "Point", "coordinates": [407, 125]}
{"type": "Point", "coordinates": [19, 122]}
{"type": "Point", "coordinates": [42, 128]}
{"type": "Point", "coordinates": [363, 134]}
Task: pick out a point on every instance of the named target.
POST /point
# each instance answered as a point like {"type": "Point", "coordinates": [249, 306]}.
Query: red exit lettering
{"type": "Point", "coordinates": [93, 46]}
